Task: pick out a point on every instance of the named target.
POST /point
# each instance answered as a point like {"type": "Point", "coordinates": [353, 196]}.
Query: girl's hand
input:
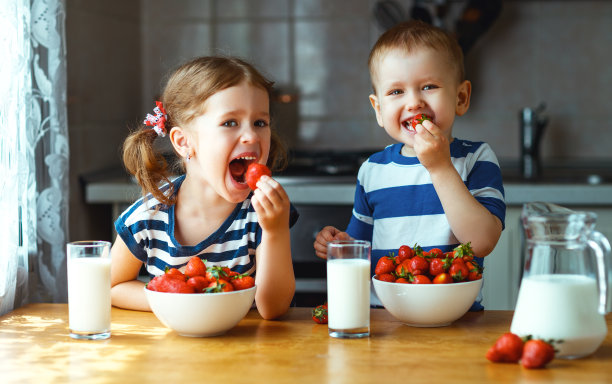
{"type": "Point", "coordinates": [432, 147]}
{"type": "Point", "coordinates": [271, 204]}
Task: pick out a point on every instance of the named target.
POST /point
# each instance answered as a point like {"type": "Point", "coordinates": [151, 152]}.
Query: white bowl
{"type": "Point", "coordinates": [201, 314]}
{"type": "Point", "coordinates": [427, 305]}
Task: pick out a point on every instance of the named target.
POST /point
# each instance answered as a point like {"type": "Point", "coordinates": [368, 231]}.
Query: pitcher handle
{"type": "Point", "coordinates": [600, 244]}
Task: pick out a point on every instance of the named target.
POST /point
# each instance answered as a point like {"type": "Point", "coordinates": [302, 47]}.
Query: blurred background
{"type": "Point", "coordinates": [525, 53]}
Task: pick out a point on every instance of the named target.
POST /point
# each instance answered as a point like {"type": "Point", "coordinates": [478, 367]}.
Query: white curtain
{"type": "Point", "coordinates": [33, 153]}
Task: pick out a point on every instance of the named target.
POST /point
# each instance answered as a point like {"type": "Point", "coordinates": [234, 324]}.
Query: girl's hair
{"type": "Point", "coordinates": [188, 87]}
{"type": "Point", "coordinates": [410, 35]}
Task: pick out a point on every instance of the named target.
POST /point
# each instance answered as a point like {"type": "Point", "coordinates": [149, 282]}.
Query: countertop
{"type": "Point", "coordinates": [341, 190]}
{"type": "Point", "coordinates": [35, 348]}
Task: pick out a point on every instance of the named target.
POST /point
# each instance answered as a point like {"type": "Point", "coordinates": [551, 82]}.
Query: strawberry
{"type": "Point", "coordinates": [385, 264]}
{"type": "Point", "coordinates": [438, 265]}
{"type": "Point", "coordinates": [319, 314]}
{"type": "Point", "coordinates": [168, 283]}
{"type": "Point", "coordinates": [175, 274]}
{"type": "Point", "coordinates": [195, 267]}
{"type": "Point", "coordinates": [418, 265]}
{"type": "Point", "coordinates": [463, 251]}
{"type": "Point", "coordinates": [536, 354]}
{"type": "Point", "coordinates": [199, 283]}
{"type": "Point", "coordinates": [254, 172]}
{"type": "Point", "coordinates": [386, 277]}
{"type": "Point", "coordinates": [507, 349]}
{"type": "Point", "coordinates": [420, 279]}
{"type": "Point", "coordinates": [419, 119]}
{"type": "Point", "coordinates": [475, 270]}
{"type": "Point", "coordinates": [219, 285]}
{"type": "Point", "coordinates": [443, 278]}
{"type": "Point", "coordinates": [458, 270]}
{"type": "Point", "coordinates": [241, 282]}
{"type": "Point", "coordinates": [404, 252]}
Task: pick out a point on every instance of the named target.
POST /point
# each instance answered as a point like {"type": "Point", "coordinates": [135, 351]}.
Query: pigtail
{"type": "Point", "coordinates": [148, 166]}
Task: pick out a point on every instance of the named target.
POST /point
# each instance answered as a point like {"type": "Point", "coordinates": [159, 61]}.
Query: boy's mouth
{"type": "Point", "coordinates": [407, 124]}
{"type": "Point", "coordinates": [238, 167]}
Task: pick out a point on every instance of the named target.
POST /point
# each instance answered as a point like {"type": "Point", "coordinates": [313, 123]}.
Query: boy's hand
{"type": "Point", "coordinates": [431, 146]}
{"type": "Point", "coordinates": [271, 204]}
{"type": "Point", "coordinates": [326, 235]}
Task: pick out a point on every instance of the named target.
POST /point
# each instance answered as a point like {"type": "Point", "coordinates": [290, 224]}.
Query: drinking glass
{"type": "Point", "coordinates": [89, 301]}
{"type": "Point", "coordinates": [348, 288]}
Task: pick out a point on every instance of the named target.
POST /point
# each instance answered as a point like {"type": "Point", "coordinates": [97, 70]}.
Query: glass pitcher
{"type": "Point", "coordinates": [563, 293]}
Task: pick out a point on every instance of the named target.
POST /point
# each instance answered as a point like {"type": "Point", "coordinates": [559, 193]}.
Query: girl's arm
{"type": "Point", "coordinates": [126, 290]}
{"type": "Point", "coordinates": [275, 279]}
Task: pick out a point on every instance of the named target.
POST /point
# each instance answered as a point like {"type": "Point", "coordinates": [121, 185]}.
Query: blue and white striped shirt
{"type": "Point", "coordinates": [147, 228]}
{"type": "Point", "coordinates": [396, 203]}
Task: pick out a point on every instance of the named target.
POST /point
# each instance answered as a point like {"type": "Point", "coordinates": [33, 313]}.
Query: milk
{"type": "Point", "coordinates": [348, 295]}
{"type": "Point", "coordinates": [561, 307]}
{"type": "Point", "coordinates": [89, 299]}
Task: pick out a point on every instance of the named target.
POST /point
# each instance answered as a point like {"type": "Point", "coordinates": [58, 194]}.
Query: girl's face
{"type": "Point", "coordinates": [233, 132]}
{"type": "Point", "coordinates": [423, 81]}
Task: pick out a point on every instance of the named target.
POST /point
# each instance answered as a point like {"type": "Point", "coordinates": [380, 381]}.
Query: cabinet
{"type": "Point", "coordinates": [504, 266]}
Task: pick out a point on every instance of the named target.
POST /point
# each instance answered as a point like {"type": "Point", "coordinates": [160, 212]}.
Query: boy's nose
{"type": "Point", "coordinates": [413, 101]}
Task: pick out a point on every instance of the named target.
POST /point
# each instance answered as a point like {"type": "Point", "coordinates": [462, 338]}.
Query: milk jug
{"type": "Point", "coordinates": [563, 292]}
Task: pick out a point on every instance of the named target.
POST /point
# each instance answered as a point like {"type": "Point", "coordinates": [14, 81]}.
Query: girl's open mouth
{"type": "Point", "coordinates": [238, 167]}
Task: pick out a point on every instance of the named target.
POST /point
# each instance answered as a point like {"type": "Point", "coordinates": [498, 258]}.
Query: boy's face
{"type": "Point", "coordinates": [422, 81]}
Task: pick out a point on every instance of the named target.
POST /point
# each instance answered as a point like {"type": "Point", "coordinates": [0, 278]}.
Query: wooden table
{"type": "Point", "coordinates": [35, 347]}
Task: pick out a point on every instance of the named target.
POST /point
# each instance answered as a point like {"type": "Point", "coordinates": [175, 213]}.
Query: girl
{"type": "Point", "coordinates": [216, 112]}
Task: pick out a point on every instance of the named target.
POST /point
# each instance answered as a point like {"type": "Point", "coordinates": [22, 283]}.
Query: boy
{"type": "Point", "coordinates": [430, 189]}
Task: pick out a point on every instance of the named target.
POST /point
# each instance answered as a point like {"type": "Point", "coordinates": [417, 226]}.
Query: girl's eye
{"type": "Point", "coordinates": [261, 123]}
{"type": "Point", "coordinates": [230, 123]}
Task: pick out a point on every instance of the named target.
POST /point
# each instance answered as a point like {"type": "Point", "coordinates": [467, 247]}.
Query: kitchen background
{"type": "Point", "coordinates": [557, 52]}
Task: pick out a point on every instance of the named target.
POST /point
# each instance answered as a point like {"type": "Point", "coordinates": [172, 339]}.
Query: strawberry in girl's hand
{"type": "Point", "coordinates": [254, 172]}
{"type": "Point", "coordinates": [507, 349]}
{"type": "Point", "coordinates": [419, 119]}
{"type": "Point", "coordinates": [536, 354]}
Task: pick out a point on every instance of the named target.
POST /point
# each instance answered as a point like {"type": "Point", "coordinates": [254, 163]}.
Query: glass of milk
{"type": "Point", "coordinates": [348, 288]}
{"type": "Point", "coordinates": [89, 301]}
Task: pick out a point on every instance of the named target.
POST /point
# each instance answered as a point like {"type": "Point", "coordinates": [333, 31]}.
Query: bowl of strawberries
{"type": "Point", "coordinates": [428, 288]}
{"type": "Point", "coordinates": [200, 301]}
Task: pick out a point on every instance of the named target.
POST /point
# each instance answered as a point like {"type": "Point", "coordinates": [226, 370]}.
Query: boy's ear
{"type": "Point", "coordinates": [376, 107]}
{"type": "Point", "coordinates": [180, 141]}
{"type": "Point", "coordinates": [464, 92]}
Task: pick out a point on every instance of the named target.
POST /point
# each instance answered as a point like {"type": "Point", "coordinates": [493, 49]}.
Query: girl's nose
{"type": "Point", "coordinates": [249, 134]}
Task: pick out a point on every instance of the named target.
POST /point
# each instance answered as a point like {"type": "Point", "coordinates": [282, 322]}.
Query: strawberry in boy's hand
{"type": "Point", "coordinates": [254, 172]}
{"type": "Point", "coordinates": [419, 119]}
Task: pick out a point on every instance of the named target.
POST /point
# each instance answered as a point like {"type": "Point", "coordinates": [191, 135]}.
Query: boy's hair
{"type": "Point", "coordinates": [410, 35]}
{"type": "Point", "coordinates": [187, 89]}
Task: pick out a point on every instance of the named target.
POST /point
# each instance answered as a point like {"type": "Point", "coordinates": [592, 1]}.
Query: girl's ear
{"type": "Point", "coordinates": [376, 107]}
{"type": "Point", "coordinates": [180, 141]}
{"type": "Point", "coordinates": [464, 92]}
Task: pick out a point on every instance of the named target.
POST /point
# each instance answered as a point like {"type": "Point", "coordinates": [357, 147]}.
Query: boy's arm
{"type": "Point", "coordinates": [469, 220]}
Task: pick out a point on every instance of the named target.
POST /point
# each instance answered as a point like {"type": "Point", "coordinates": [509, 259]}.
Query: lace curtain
{"type": "Point", "coordinates": [33, 153]}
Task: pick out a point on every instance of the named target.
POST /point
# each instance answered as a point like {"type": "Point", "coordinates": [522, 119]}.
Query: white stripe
{"type": "Point", "coordinates": [391, 233]}
{"type": "Point", "coordinates": [365, 219]}
{"type": "Point", "coordinates": [381, 176]}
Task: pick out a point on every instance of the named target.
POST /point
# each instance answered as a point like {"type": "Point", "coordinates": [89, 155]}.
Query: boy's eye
{"type": "Point", "coordinates": [429, 87]}
{"type": "Point", "coordinates": [261, 123]}
{"type": "Point", "coordinates": [230, 123]}
{"type": "Point", "coordinates": [395, 92]}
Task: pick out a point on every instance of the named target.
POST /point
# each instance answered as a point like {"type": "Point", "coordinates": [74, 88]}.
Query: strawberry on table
{"type": "Point", "coordinates": [507, 349]}
{"type": "Point", "coordinates": [319, 314]}
{"type": "Point", "coordinates": [536, 354]}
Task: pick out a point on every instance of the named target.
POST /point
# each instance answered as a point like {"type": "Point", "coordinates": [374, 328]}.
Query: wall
{"type": "Point", "coordinates": [556, 52]}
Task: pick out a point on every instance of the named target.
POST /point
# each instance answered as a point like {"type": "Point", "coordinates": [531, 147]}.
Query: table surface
{"type": "Point", "coordinates": [35, 347]}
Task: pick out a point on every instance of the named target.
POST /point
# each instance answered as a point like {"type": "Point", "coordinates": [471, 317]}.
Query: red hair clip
{"type": "Point", "coordinates": [158, 122]}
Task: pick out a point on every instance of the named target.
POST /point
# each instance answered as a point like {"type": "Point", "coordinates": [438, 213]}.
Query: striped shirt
{"type": "Point", "coordinates": [147, 228]}
{"type": "Point", "coordinates": [396, 203]}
